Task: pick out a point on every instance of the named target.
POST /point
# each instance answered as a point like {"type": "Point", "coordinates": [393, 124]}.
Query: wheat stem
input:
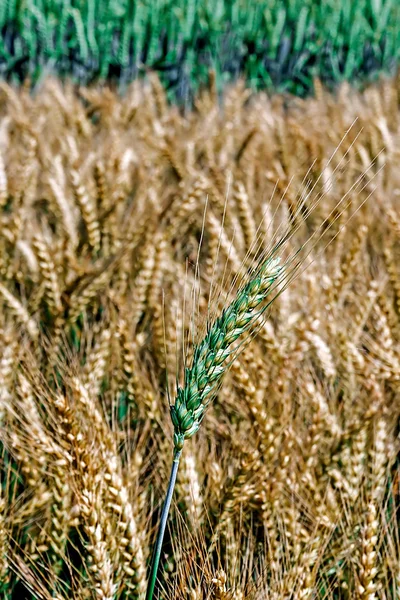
{"type": "Point", "coordinates": [163, 522]}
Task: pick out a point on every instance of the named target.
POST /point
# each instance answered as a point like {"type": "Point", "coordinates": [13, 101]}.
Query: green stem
{"type": "Point", "coordinates": [163, 522]}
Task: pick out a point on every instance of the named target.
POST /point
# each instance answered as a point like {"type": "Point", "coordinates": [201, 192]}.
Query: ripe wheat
{"type": "Point", "coordinates": [112, 210]}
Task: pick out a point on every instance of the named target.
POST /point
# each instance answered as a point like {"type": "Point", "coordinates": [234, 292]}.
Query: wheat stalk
{"type": "Point", "coordinates": [203, 379]}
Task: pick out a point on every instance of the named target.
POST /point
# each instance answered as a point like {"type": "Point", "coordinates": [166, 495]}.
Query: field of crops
{"type": "Point", "coordinates": [125, 229]}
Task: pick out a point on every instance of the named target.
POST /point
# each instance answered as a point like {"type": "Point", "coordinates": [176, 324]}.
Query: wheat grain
{"type": "Point", "coordinates": [367, 587]}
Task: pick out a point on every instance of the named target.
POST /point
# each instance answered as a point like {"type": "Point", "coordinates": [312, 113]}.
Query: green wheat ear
{"type": "Point", "coordinates": [203, 379]}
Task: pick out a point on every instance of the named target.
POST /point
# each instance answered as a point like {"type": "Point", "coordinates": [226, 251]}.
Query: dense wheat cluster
{"type": "Point", "coordinates": [124, 224]}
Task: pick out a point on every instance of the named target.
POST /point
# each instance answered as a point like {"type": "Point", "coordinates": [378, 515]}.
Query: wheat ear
{"type": "Point", "coordinates": [203, 379]}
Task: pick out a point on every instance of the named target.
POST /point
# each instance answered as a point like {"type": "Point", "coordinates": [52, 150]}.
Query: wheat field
{"type": "Point", "coordinates": [126, 226]}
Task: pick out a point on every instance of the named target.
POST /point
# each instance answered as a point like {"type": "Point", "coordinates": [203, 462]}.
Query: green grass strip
{"type": "Point", "coordinates": [279, 44]}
